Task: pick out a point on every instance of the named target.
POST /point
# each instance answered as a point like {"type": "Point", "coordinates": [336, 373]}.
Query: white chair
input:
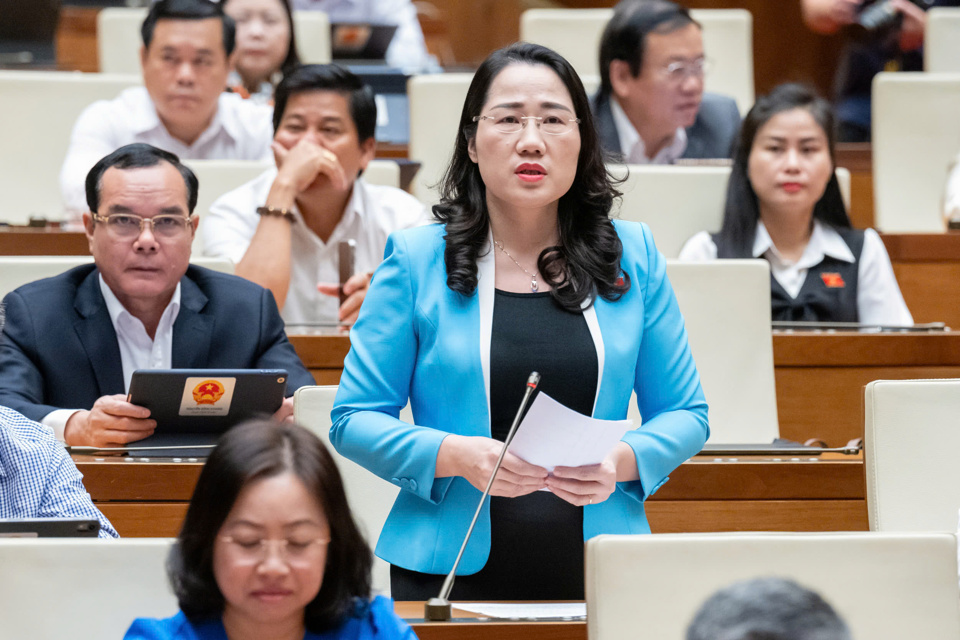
{"type": "Point", "coordinates": [436, 101]}
{"type": "Point", "coordinates": [72, 588]}
{"type": "Point", "coordinates": [916, 135]}
{"type": "Point", "coordinates": [726, 311]}
{"type": "Point", "coordinates": [886, 586]}
{"type": "Point", "coordinates": [37, 113]}
{"type": "Point", "coordinates": [678, 202]}
{"type": "Point", "coordinates": [941, 41]}
{"type": "Point", "coordinates": [217, 177]}
{"type": "Point", "coordinates": [727, 41]}
{"type": "Point", "coordinates": [911, 439]}
{"type": "Point", "coordinates": [119, 41]}
{"type": "Point", "coordinates": [16, 271]}
{"type": "Point", "coordinates": [385, 173]}
{"type": "Point", "coordinates": [369, 496]}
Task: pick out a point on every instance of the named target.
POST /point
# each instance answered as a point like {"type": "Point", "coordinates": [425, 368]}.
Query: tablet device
{"type": "Point", "coordinates": [49, 528]}
{"type": "Point", "coordinates": [360, 41]}
{"type": "Point", "coordinates": [193, 407]}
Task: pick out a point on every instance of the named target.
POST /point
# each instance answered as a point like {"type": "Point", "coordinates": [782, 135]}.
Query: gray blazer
{"type": "Point", "coordinates": [712, 135]}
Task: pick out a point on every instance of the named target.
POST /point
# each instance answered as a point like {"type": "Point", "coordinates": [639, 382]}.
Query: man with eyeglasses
{"type": "Point", "coordinates": [71, 343]}
{"type": "Point", "coordinates": [181, 107]}
{"type": "Point", "coordinates": [651, 107]}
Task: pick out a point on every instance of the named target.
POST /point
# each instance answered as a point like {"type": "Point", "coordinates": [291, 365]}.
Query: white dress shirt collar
{"type": "Point", "coordinates": [824, 241]}
{"type": "Point", "coordinates": [147, 120]}
{"type": "Point", "coordinates": [137, 349]}
{"type": "Point", "coordinates": [633, 148]}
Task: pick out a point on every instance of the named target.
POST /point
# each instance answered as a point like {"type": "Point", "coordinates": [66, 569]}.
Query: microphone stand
{"type": "Point", "coordinates": [438, 609]}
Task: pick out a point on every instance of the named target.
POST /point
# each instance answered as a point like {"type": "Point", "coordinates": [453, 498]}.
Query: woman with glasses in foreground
{"type": "Point", "coordinates": [525, 272]}
{"type": "Point", "coordinates": [269, 549]}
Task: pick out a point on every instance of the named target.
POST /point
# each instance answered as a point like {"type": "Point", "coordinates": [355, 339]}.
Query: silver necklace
{"type": "Point", "coordinates": [533, 276]}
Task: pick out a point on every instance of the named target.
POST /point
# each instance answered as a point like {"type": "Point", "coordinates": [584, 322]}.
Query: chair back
{"type": "Point", "coordinates": [119, 41]}
{"type": "Point", "coordinates": [726, 311]}
{"type": "Point", "coordinates": [370, 497]}
{"type": "Point", "coordinates": [217, 177]}
{"type": "Point", "coordinates": [37, 112]}
{"type": "Point", "coordinates": [941, 40]}
{"type": "Point", "coordinates": [436, 101]}
{"type": "Point", "coordinates": [16, 271]}
{"type": "Point", "coordinates": [679, 201]}
{"type": "Point", "coordinates": [727, 40]}
{"type": "Point", "coordinates": [886, 586]}
{"type": "Point", "coordinates": [916, 135]}
{"type": "Point", "coordinates": [82, 588]}
{"type": "Point", "coordinates": [911, 438]}
{"type": "Point", "coordinates": [385, 173]}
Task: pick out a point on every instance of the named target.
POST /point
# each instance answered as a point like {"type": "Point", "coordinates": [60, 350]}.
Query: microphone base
{"type": "Point", "coordinates": [436, 609]}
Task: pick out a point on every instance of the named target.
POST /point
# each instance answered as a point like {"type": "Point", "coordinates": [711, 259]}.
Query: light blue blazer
{"type": "Point", "coordinates": [417, 339]}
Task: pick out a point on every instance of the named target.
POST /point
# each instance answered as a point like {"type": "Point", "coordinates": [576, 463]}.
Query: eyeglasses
{"type": "Point", "coordinates": [256, 550]}
{"type": "Point", "coordinates": [129, 225]}
{"type": "Point", "coordinates": [514, 122]}
{"type": "Point", "coordinates": [678, 70]}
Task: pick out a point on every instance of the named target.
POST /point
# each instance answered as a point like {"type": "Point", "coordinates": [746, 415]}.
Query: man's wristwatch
{"type": "Point", "coordinates": [277, 212]}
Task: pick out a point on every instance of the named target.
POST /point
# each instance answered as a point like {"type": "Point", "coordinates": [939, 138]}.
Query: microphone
{"type": "Point", "coordinates": [438, 609]}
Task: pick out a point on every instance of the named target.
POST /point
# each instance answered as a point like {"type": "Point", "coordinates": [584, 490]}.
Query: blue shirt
{"type": "Point", "coordinates": [37, 477]}
{"type": "Point", "coordinates": [376, 622]}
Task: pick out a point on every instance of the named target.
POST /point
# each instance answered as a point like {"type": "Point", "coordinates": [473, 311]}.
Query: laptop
{"type": "Point", "coordinates": [194, 407]}
{"type": "Point", "coordinates": [360, 41]}
{"type": "Point", "coordinates": [49, 528]}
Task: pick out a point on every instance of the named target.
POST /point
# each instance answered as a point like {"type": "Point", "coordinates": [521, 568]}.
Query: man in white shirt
{"type": "Point", "coordinates": [651, 108]}
{"type": "Point", "coordinates": [407, 49]}
{"type": "Point", "coordinates": [283, 229]}
{"type": "Point", "coordinates": [71, 343]}
{"type": "Point", "coordinates": [182, 107]}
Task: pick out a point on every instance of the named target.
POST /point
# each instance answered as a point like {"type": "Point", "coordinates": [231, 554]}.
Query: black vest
{"type": "Point", "coordinates": [829, 292]}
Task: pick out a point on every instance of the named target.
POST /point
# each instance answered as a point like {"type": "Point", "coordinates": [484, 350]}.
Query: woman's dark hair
{"type": "Point", "coordinates": [253, 451]}
{"type": "Point", "coordinates": [742, 210]}
{"type": "Point", "coordinates": [587, 261]}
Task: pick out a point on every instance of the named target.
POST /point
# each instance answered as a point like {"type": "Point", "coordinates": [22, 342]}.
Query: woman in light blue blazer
{"type": "Point", "coordinates": [525, 272]}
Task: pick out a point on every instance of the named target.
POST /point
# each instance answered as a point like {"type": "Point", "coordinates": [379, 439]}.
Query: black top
{"type": "Point", "coordinates": [829, 292]}
{"type": "Point", "coordinates": [536, 549]}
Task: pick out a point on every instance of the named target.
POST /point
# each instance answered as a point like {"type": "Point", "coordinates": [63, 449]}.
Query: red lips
{"type": "Point", "coordinates": [530, 172]}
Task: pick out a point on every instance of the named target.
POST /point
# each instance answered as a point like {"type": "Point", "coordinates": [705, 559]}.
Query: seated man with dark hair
{"type": "Point", "coordinates": [767, 609]}
{"type": "Point", "coordinates": [651, 108]}
{"type": "Point", "coordinates": [37, 477]}
{"type": "Point", "coordinates": [182, 107]}
{"type": "Point", "coordinates": [283, 228]}
{"type": "Point", "coordinates": [71, 343]}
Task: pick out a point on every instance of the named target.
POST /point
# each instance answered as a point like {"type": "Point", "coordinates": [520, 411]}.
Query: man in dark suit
{"type": "Point", "coordinates": [651, 108]}
{"type": "Point", "coordinates": [71, 343]}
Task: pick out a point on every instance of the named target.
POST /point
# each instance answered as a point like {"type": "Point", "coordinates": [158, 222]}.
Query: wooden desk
{"type": "Point", "coordinates": [928, 271]}
{"type": "Point", "coordinates": [466, 626]}
{"type": "Point", "coordinates": [819, 376]}
{"type": "Point", "coordinates": [32, 241]}
{"type": "Point", "coordinates": [149, 499]}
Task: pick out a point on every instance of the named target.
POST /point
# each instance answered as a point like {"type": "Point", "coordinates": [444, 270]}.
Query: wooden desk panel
{"type": "Point", "coordinates": [819, 376]}
{"type": "Point", "coordinates": [466, 626]}
{"type": "Point", "coordinates": [149, 499]}
{"type": "Point", "coordinates": [927, 266]}
{"type": "Point", "coordinates": [26, 241]}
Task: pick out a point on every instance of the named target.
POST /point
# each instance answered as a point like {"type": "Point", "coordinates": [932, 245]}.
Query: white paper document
{"type": "Point", "coordinates": [527, 611]}
{"type": "Point", "coordinates": [551, 435]}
